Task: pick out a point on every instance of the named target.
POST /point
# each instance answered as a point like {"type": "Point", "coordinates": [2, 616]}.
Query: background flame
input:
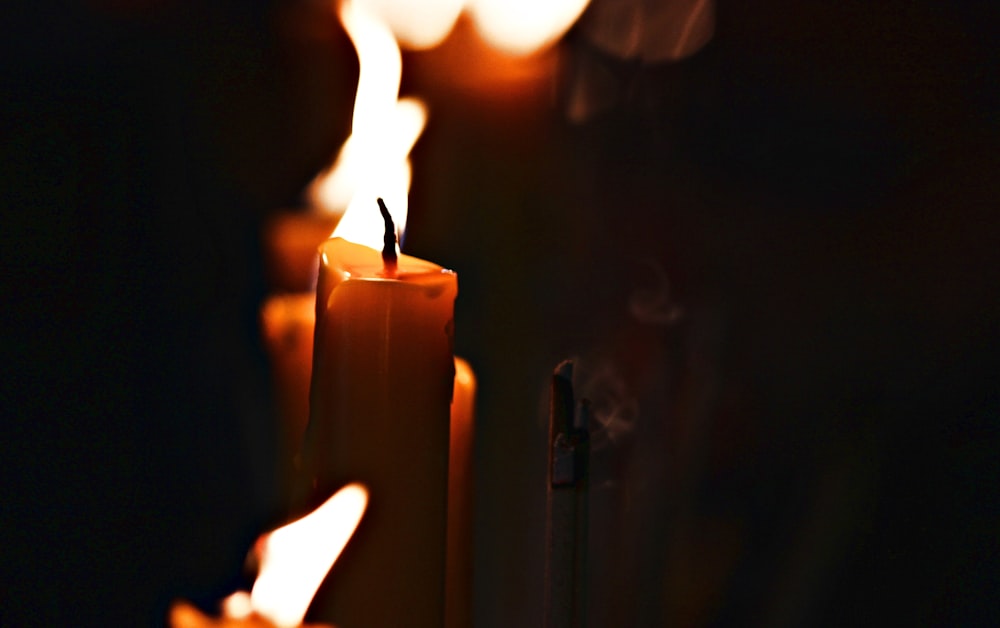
{"type": "Point", "coordinates": [296, 558]}
{"type": "Point", "coordinates": [418, 24]}
{"type": "Point", "coordinates": [374, 161]}
{"type": "Point", "coordinates": [521, 27]}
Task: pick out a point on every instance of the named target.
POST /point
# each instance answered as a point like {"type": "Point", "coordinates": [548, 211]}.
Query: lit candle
{"type": "Point", "coordinates": [382, 383]}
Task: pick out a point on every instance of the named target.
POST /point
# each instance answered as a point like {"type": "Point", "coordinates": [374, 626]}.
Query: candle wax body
{"type": "Point", "coordinates": [383, 373]}
{"type": "Point", "coordinates": [461, 496]}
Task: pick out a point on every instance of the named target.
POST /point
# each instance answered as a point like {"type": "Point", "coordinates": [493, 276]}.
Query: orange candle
{"type": "Point", "coordinates": [287, 327]}
{"type": "Point", "coordinates": [461, 497]}
{"type": "Point", "coordinates": [289, 240]}
{"type": "Point", "coordinates": [382, 383]}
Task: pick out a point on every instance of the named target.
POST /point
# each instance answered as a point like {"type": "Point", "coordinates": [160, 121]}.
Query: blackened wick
{"type": "Point", "coordinates": [389, 239]}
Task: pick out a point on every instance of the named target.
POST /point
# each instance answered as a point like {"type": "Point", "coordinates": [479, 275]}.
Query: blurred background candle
{"type": "Point", "coordinates": [288, 322]}
{"type": "Point", "coordinates": [461, 498]}
{"type": "Point", "coordinates": [290, 240]}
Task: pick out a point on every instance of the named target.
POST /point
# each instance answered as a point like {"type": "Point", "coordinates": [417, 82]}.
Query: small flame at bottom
{"type": "Point", "coordinates": [296, 557]}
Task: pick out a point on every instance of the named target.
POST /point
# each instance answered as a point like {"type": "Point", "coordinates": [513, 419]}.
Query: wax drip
{"type": "Point", "coordinates": [389, 240]}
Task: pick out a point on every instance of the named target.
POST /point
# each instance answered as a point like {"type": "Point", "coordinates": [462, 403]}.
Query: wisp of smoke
{"type": "Point", "coordinates": [654, 305]}
{"type": "Point", "coordinates": [613, 408]}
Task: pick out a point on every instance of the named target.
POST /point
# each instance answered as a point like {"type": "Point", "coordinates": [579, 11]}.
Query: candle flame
{"type": "Point", "coordinates": [521, 27]}
{"type": "Point", "coordinates": [237, 606]}
{"type": "Point", "coordinates": [295, 558]}
{"type": "Point", "coordinates": [417, 24]}
{"type": "Point", "coordinates": [374, 161]}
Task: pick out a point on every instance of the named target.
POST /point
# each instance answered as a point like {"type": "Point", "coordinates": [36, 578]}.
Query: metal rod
{"type": "Point", "coordinates": [566, 505]}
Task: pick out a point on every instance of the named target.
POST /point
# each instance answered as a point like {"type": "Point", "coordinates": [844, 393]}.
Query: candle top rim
{"type": "Point", "coordinates": [363, 274]}
{"type": "Point", "coordinates": [358, 262]}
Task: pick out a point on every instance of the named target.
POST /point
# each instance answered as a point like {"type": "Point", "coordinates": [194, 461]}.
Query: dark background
{"type": "Point", "coordinates": [775, 262]}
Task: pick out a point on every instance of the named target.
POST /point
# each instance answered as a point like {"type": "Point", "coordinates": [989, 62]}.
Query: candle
{"type": "Point", "coordinates": [382, 383]}
{"type": "Point", "coordinates": [458, 595]}
{"type": "Point", "coordinates": [292, 344]}
{"type": "Point", "coordinates": [287, 326]}
{"type": "Point", "coordinates": [289, 241]}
